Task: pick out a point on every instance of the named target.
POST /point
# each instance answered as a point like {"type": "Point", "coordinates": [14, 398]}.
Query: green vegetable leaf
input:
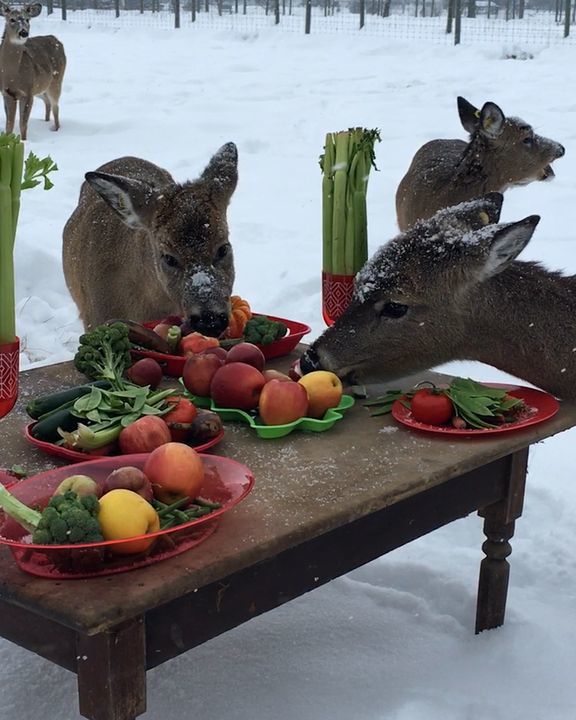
{"type": "Point", "coordinates": [36, 171]}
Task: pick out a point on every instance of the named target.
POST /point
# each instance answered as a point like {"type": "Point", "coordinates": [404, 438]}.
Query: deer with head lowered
{"type": "Point", "coordinates": [140, 246]}
{"type": "Point", "coordinates": [29, 66]}
{"type": "Point", "coordinates": [451, 288]}
{"type": "Point", "coordinates": [502, 152]}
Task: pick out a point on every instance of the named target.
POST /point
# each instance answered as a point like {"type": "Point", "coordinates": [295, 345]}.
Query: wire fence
{"type": "Point", "coordinates": [507, 22]}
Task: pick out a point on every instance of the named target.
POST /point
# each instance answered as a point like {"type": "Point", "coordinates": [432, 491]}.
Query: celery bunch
{"type": "Point", "coordinates": [15, 175]}
{"type": "Point", "coordinates": [346, 162]}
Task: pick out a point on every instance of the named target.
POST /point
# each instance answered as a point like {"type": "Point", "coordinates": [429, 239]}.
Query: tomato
{"type": "Point", "coordinates": [432, 406]}
{"type": "Point", "coordinates": [183, 413]}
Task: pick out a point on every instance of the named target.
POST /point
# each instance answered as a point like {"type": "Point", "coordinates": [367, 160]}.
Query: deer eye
{"type": "Point", "coordinates": [393, 310]}
{"type": "Point", "coordinates": [222, 251]}
{"type": "Point", "coordinates": [170, 261]}
{"type": "Point", "coordinates": [528, 141]}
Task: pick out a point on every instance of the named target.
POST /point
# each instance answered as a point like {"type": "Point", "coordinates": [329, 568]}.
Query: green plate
{"type": "Point", "coordinates": [275, 431]}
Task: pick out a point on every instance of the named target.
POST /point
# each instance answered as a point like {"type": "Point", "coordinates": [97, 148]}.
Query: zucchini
{"type": "Point", "coordinates": [47, 428]}
{"type": "Point", "coordinates": [48, 403]}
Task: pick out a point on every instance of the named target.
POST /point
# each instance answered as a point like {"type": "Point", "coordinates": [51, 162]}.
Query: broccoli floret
{"type": "Point", "coordinates": [262, 330]}
{"type": "Point", "coordinates": [104, 353]}
{"type": "Point", "coordinates": [65, 520]}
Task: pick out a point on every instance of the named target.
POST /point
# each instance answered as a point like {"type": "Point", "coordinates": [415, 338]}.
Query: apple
{"type": "Point", "coordinates": [146, 371]}
{"type": "Point", "coordinates": [198, 372]}
{"type": "Point", "coordinates": [216, 350]}
{"type": "Point", "coordinates": [144, 435]}
{"type": "Point", "coordinates": [175, 470]}
{"type": "Point", "coordinates": [282, 402]}
{"type": "Point", "coordinates": [324, 390]}
{"type": "Point", "coordinates": [128, 478]}
{"type": "Point", "coordinates": [276, 375]}
{"type": "Point", "coordinates": [248, 353]}
{"type": "Point", "coordinates": [237, 385]}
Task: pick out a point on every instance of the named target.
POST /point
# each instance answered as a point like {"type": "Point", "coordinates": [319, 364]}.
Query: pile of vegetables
{"type": "Point", "coordinates": [15, 176]}
{"type": "Point", "coordinates": [125, 505]}
{"type": "Point", "coordinates": [464, 403]}
{"type": "Point", "coordinates": [346, 163]}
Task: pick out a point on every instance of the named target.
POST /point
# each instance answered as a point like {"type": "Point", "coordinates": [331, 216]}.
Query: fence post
{"type": "Point", "coordinates": [117, 8]}
{"type": "Point", "coordinates": [49, 7]}
{"type": "Point", "coordinates": [362, 13]}
{"type": "Point", "coordinates": [308, 17]}
{"type": "Point", "coordinates": [64, 9]}
{"type": "Point", "coordinates": [276, 12]}
{"type": "Point", "coordinates": [449, 17]}
{"type": "Point", "coordinates": [567, 19]}
{"type": "Point", "coordinates": [457, 21]}
{"type": "Point", "coordinates": [176, 14]}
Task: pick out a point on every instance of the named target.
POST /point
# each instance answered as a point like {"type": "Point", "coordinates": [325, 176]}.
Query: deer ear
{"type": "Point", "coordinates": [469, 115]}
{"type": "Point", "coordinates": [492, 120]}
{"type": "Point", "coordinates": [222, 173]}
{"type": "Point", "coordinates": [4, 9]}
{"type": "Point", "coordinates": [33, 10]}
{"type": "Point", "coordinates": [507, 243]}
{"type": "Point", "coordinates": [130, 198]}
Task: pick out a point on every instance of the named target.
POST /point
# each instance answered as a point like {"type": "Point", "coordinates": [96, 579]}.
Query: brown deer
{"type": "Point", "coordinates": [500, 153]}
{"type": "Point", "coordinates": [29, 66]}
{"type": "Point", "coordinates": [450, 288]}
{"type": "Point", "coordinates": [140, 246]}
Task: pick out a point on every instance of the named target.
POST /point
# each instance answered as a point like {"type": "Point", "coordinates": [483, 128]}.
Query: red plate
{"type": "Point", "coordinates": [174, 364]}
{"type": "Point", "coordinates": [226, 481]}
{"type": "Point", "coordinates": [79, 456]}
{"type": "Point", "coordinates": [542, 407]}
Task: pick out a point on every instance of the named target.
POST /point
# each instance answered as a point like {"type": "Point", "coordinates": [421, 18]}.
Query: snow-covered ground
{"type": "Point", "coordinates": [393, 640]}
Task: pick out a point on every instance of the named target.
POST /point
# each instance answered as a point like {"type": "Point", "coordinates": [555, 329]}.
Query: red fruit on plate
{"type": "Point", "coordinates": [432, 406]}
{"type": "Point", "coordinates": [237, 385]}
{"type": "Point", "coordinates": [282, 402]}
{"type": "Point", "coordinates": [180, 418]}
{"type": "Point", "coordinates": [217, 350]}
{"type": "Point", "coordinates": [128, 478]}
{"type": "Point", "coordinates": [145, 372]}
{"type": "Point", "coordinates": [144, 435]}
{"type": "Point", "coordinates": [198, 372]}
{"type": "Point", "coordinates": [276, 375]}
{"type": "Point", "coordinates": [248, 353]}
{"type": "Point", "coordinates": [175, 470]}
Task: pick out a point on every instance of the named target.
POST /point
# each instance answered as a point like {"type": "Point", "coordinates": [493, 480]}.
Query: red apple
{"type": "Point", "coordinates": [237, 385]}
{"type": "Point", "coordinates": [276, 375]}
{"type": "Point", "coordinates": [175, 470]}
{"type": "Point", "coordinates": [324, 390]}
{"type": "Point", "coordinates": [282, 402]}
{"type": "Point", "coordinates": [128, 478]}
{"type": "Point", "coordinates": [248, 353]}
{"type": "Point", "coordinates": [146, 371]}
{"type": "Point", "coordinates": [217, 350]}
{"type": "Point", "coordinates": [198, 372]}
{"type": "Point", "coordinates": [144, 435]}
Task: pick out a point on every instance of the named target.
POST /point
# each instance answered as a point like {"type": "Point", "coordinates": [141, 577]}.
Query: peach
{"type": "Point", "coordinates": [175, 470]}
{"type": "Point", "coordinates": [237, 385]}
{"type": "Point", "coordinates": [276, 375]}
{"type": "Point", "coordinates": [144, 435]}
{"type": "Point", "coordinates": [248, 353]}
{"type": "Point", "coordinates": [198, 372]}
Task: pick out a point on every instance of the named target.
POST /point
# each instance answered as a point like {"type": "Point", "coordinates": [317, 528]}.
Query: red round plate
{"type": "Point", "coordinates": [543, 406]}
{"type": "Point", "coordinates": [226, 481]}
{"type": "Point", "coordinates": [174, 364]}
{"type": "Point", "coordinates": [79, 456]}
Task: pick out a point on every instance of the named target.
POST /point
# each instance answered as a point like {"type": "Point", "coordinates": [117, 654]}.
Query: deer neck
{"type": "Point", "coordinates": [522, 322]}
{"type": "Point", "coordinates": [11, 51]}
{"type": "Point", "coordinates": [472, 169]}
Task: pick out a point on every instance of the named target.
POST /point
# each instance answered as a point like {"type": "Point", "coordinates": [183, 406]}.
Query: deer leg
{"type": "Point", "coordinates": [53, 100]}
{"type": "Point", "coordinates": [10, 109]}
{"type": "Point", "coordinates": [47, 105]}
{"type": "Point", "coordinates": [25, 110]}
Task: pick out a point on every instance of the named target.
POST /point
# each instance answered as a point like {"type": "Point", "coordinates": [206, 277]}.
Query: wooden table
{"type": "Point", "coordinates": [323, 504]}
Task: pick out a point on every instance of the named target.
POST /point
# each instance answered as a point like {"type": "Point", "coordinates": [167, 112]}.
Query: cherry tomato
{"type": "Point", "coordinates": [431, 406]}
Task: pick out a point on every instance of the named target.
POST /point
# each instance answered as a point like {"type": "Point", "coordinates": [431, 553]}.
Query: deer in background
{"type": "Point", "coordinates": [450, 288]}
{"type": "Point", "coordinates": [29, 67]}
{"type": "Point", "coordinates": [501, 152]}
{"type": "Point", "coordinates": [140, 246]}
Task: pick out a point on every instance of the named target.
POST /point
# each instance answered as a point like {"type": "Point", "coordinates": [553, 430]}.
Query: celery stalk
{"type": "Point", "coordinates": [15, 175]}
{"type": "Point", "coordinates": [327, 165]}
{"type": "Point", "coordinates": [339, 203]}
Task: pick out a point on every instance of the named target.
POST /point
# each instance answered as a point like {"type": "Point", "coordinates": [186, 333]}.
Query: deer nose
{"type": "Point", "coordinates": [561, 150]}
{"type": "Point", "coordinates": [23, 33]}
{"type": "Point", "coordinates": [209, 323]}
{"type": "Point", "coordinates": [309, 361]}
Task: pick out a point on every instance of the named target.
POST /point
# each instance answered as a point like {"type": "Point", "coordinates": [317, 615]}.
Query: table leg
{"type": "Point", "coordinates": [499, 529]}
{"type": "Point", "coordinates": [112, 673]}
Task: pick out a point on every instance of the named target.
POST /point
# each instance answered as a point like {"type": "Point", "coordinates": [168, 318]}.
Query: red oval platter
{"type": "Point", "coordinates": [542, 407]}
{"type": "Point", "coordinates": [174, 364]}
{"type": "Point", "coordinates": [79, 456]}
{"type": "Point", "coordinates": [226, 481]}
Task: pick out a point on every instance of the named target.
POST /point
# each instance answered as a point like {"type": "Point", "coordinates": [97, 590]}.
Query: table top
{"type": "Point", "coordinates": [305, 485]}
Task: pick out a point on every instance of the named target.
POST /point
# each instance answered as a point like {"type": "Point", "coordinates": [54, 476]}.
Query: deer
{"type": "Point", "coordinates": [451, 288]}
{"type": "Point", "coordinates": [140, 246]}
{"type": "Point", "coordinates": [29, 66]}
{"type": "Point", "coordinates": [501, 152]}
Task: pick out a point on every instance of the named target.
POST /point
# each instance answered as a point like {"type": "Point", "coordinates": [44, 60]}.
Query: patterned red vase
{"type": "Point", "coordinates": [336, 295]}
{"type": "Point", "coordinates": [9, 367]}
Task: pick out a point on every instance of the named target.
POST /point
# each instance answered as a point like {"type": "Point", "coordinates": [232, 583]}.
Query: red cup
{"type": "Point", "coordinates": [9, 367]}
{"type": "Point", "coordinates": [337, 292]}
